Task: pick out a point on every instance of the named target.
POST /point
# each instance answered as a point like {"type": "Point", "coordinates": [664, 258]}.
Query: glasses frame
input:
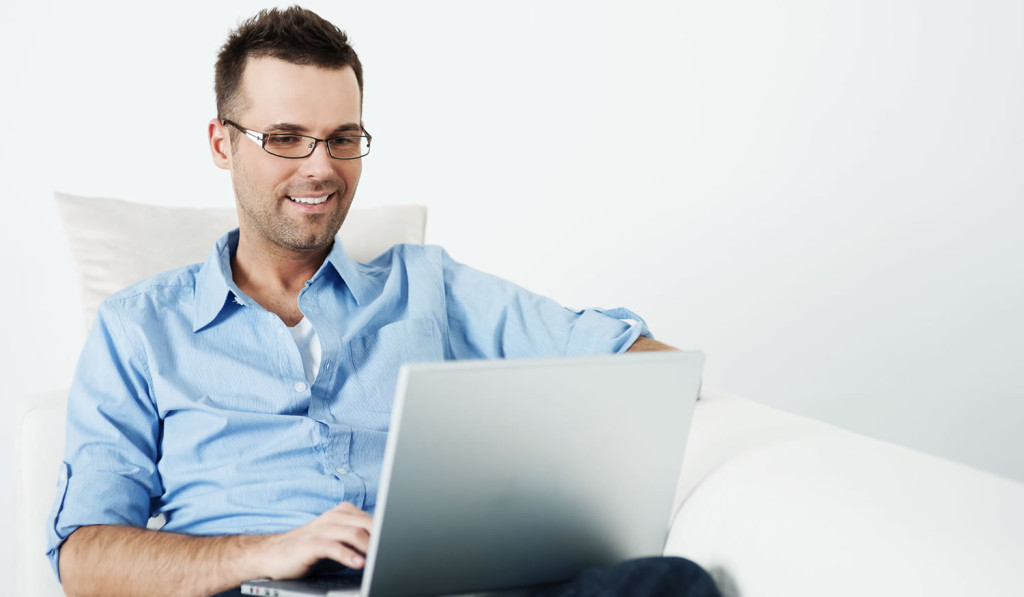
{"type": "Point", "coordinates": [260, 139]}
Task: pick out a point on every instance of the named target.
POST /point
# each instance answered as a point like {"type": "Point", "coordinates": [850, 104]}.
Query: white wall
{"type": "Point", "coordinates": [826, 197]}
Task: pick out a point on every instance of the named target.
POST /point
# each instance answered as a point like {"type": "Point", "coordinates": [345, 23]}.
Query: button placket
{"type": "Point", "coordinates": [339, 453]}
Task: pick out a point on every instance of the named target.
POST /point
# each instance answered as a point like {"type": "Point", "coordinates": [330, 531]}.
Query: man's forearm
{"type": "Point", "coordinates": [116, 560]}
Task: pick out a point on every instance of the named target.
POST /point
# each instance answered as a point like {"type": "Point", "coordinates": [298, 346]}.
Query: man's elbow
{"type": "Point", "coordinates": [645, 344]}
{"type": "Point", "coordinates": [71, 565]}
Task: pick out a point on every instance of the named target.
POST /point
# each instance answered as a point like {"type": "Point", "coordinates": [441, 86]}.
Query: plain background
{"type": "Point", "coordinates": [826, 197]}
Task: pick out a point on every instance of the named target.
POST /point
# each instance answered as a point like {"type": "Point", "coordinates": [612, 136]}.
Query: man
{"type": "Point", "coordinates": [247, 397]}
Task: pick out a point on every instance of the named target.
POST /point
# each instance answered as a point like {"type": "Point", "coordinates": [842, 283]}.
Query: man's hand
{"type": "Point", "coordinates": [341, 534]}
{"type": "Point", "coordinates": [117, 560]}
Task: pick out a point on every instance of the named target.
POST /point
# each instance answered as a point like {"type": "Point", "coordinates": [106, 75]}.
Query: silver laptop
{"type": "Point", "coordinates": [509, 474]}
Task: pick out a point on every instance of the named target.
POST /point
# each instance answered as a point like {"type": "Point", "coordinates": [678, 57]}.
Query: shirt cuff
{"type": "Point", "coordinates": [96, 497]}
{"type": "Point", "coordinates": [605, 331]}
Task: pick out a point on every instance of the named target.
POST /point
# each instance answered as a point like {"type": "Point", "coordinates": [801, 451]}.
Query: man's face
{"type": "Point", "coordinates": [281, 204]}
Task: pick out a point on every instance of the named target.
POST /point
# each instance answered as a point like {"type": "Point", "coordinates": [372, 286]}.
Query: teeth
{"type": "Point", "coordinates": [310, 200]}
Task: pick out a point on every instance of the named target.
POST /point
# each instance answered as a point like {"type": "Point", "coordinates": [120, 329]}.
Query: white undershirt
{"type": "Point", "coordinates": [309, 347]}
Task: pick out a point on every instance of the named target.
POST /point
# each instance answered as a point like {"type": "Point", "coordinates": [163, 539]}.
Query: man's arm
{"type": "Point", "coordinates": [116, 560]}
{"type": "Point", "coordinates": [645, 344]}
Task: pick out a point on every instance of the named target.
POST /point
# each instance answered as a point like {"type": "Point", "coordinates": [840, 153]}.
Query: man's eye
{"type": "Point", "coordinates": [343, 141]}
{"type": "Point", "coordinates": [284, 140]}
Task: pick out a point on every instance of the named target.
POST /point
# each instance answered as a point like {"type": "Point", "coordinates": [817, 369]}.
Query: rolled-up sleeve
{"type": "Point", "coordinates": [109, 473]}
{"type": "Point", "coordinates": [489, 317]}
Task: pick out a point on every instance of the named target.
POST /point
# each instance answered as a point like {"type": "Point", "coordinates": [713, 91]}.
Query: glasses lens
{"type": "Point", "coordinates": [289, 146]}
{"type": "Point", "coordinates": [349, 146]}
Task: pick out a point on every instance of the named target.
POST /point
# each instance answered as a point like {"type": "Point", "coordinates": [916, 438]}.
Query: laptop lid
{"type": "Point", "coordinates": [508, 473]}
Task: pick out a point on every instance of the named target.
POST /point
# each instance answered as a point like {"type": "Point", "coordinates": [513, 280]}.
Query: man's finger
{"type": "Point", "coordinates": [343, 554]}
{"type": "Point", "coordinates": [351, 535]}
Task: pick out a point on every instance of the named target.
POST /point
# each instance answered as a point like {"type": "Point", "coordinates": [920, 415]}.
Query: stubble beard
{"type": "Point", "coordinates": [264, 217]}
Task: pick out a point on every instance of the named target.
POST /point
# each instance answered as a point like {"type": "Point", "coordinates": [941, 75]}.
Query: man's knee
{"type": "Point", "coordinates": [649, 577]}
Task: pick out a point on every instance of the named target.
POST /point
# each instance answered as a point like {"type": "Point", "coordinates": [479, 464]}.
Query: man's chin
{"type": "Point", "coordinates": [309, 244]}
{"type": "Point", "coordinates": [309, 239]}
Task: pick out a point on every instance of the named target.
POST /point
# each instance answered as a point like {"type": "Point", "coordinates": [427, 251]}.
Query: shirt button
{"type": "Point", "coordinates": [342, 471]}
{"type": "Point", "coordinates": [280, 331]}
{"type": "Point", "coordinates": [300, 386]}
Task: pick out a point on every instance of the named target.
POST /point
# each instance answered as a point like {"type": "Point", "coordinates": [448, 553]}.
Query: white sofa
{"type": "Point", "coordinates": [772, 504]}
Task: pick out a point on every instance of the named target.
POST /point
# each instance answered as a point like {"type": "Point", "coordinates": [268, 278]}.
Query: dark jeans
{"type": "Point", "coordinates": [645, 577]}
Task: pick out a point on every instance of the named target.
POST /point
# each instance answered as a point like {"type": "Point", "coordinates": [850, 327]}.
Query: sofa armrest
{"type": "Point", "coordinates": [39, 450]}
{"type": "Point", "coordinates": [799, 508]}
{"type": "Point", "coordinates": [725, 426]}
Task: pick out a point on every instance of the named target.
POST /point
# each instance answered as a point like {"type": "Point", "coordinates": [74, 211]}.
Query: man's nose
{"type": "Point", "coordinates": [320, 161]}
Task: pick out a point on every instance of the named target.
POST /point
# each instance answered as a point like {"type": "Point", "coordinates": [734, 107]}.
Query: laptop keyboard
{"type": "Point", "coordinates": [329, 583]}
{"type": "Point", "coordinates": [342, 584]}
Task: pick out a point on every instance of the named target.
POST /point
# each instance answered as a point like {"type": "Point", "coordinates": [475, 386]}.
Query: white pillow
{"type": "Point", "coordinates": [115, 243]}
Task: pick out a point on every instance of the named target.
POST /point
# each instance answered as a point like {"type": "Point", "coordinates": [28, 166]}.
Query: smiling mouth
{"type": "Point", "coordinates": [311, 200]}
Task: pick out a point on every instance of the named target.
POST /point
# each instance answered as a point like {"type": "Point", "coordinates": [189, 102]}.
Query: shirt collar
{"type": "Point", "coordinates": [214, 283]}
{"type": "Point", "coordinates": [350, 272]}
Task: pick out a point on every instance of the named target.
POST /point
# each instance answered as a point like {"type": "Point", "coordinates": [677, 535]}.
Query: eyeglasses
{"type": "Point", "coordinates": [294, 146]}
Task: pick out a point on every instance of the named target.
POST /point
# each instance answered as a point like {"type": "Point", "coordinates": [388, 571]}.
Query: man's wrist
{"type": "Point", "coordinates": [246, 556]}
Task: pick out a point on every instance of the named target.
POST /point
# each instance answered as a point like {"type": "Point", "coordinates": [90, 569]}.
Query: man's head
{"type": "Point", "coordinates": [295, 35]}
{"type": "Point", "coordinates": [288, 73]}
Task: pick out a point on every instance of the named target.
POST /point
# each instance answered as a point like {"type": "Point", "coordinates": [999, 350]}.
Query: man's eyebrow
{"type": "Point", "coordinates": [287, 127]}
{"type": "Point", "coordinates": [348, 128]}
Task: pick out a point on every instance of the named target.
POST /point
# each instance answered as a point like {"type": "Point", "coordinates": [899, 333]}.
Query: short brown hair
{"type": "Point", "coordinates": [294, 35]}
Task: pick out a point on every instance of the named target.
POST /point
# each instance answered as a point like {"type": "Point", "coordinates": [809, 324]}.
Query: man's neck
{"type": "Point", "coordinates": [274, 276]}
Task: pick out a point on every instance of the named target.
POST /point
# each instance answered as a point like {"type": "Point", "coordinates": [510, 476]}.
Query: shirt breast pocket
{"type": "Point", "coordinates": [377, 357]}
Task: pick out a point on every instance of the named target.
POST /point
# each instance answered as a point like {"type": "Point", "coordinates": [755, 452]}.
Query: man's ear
{"type": "Point", "coordinates": [220, 144]}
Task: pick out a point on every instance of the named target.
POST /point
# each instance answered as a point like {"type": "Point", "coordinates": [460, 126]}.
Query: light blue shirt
{"type": "Point", "coordinates": [190, 400]}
